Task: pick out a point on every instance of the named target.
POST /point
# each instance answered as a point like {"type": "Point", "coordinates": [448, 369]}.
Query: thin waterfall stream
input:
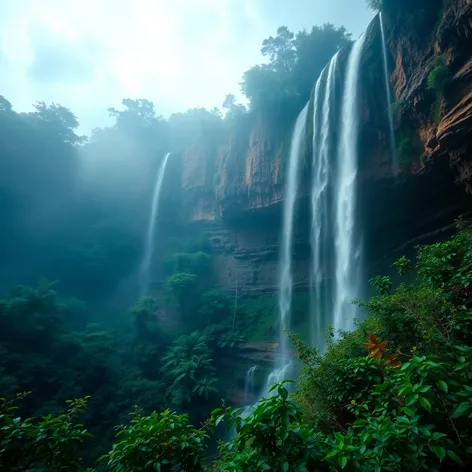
{"type": "Point", "coordinates": [150, 235]}
{"type": "Point", "coordinates": [389, 99]}
{"type": "Point", "coordinates": [249, 383]}
{"type": "Point", "coordinates": [283, 365]}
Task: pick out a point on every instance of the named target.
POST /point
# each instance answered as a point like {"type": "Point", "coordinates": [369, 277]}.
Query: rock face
{"type": "Point", "coordinates": [233, 190]}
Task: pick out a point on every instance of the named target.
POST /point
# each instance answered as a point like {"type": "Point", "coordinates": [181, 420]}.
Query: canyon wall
{"type": "Point", "coordinates": [232, 190]}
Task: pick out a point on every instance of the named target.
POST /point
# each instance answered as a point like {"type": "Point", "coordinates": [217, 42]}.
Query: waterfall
{"type": "Point", "coordinates": [389, 98]}
{"type": "Point", "coordinates": [347, 244]}
{"type": "Point", "coordinates": [282, 369]}
{"type": "Point", "coordinates": [150, 237]}
{"type": "Point", "coordinates": [249, 383]}
{"type": "Point", "coordinates": [319, 198]}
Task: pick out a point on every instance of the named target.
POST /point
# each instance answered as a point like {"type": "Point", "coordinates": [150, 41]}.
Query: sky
{"type": "Point", "coordinates": [180, 54]}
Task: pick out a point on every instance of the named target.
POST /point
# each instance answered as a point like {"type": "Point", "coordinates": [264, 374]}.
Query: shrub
{"type": "Point", "coordinates": [437, 80]}
{"type": "Point", "coordinates": [162, 442]}
{"type": "Point", "coordinates": [50, 443]}
{"type": "Point", "coordinates": [407, 406]}
{"type": "Point", "coordinates": [409, 148]}
{"type": "Point", "coordinates": [271, 437]}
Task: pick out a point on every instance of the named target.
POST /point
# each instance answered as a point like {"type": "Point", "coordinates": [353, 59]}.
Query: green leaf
{"type": "Point", "coordinates": [332, 453]}
{"type": "Point", "coordinates": [283, 392]}
{"type": "Point", "coordinates": [461, 410]}
{"type": "Point", "coordinates": [455, 457]}
{"type": "Point", "coordinates": [424, 402]}
{"type": "Point", "coordinates": [439, 451]}
{"type": "Point", "coordinates": [285, 466]}
{"type": "Point", "coordinates": [411, 400]}
{"type": "Point", "coordinates": [343, 461]}
{"type": "Point", "coordinates": [442, 385]}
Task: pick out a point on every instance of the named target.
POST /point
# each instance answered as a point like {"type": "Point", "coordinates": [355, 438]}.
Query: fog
{"type": "Point", "coordinates": [178, 53]}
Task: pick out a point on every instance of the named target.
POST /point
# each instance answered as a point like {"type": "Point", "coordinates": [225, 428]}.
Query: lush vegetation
{"type": "Point", "coordinates": [409, 148]}
{"type": "Point", "coordinates": [74, 211]}
{"type": "Point", "coordinates": [395, 394]}
{"type": "Point", "coordinates": [286, 82]}
{"type": "Point", "coordinates": [437, 80]}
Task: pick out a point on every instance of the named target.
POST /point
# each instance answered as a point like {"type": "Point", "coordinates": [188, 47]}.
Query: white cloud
{"type": "Point", "coordinates": [89, 55]}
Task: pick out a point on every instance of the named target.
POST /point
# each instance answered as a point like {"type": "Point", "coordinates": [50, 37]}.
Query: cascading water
{"type": "Point", "coordinates": [249, 383]}
{"type": "Point", "coordinates": [283, 365]}
{"type": "Point", "coordinates": [389, 98]}
{"type": "Point", "coordinates": [150, 237]}
{"type": "Point", "coordinates": [319, 198]}
{"type": "Point", "coordinates": [347, 244]}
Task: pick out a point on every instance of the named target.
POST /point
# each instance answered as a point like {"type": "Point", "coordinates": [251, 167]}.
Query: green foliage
{"type": "Point", "coordinates": [230, 340]}
{"type": "Point", "coordinates": [437, 80]}
{"type": "Point", "coordinates": [181, 286]}
{"type": "Point", "coordinates": [270, 438]}
{"type": "Point", "coordinates": [189, 262]}
{"type": "Point", "coordinates": [382, 284]}
{"type": "Point", "coordinates": [406, 406]}
{"type": "Point", "coordinates": [285, 83]}
{"type": "Point", "coordinates": [158, 442]}
{"type": "Point", "coordinates": [403, 265]}
{"type": "Point", "coordinates": [143, 316]}
{"type": "Point", "coordinates": [189, 367]}
{"type": "Point", "coordinates": [50, 443]}
{"type": "Point", "coordinates": [410, 148]}
{"type": "Point", "coordinates": [439, 74]}
{"type": "Point", "coordinates": [395, 394]}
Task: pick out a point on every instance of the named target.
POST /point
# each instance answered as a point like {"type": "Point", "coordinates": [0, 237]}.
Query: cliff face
{"type": "Point", "coordinates": [235, 188]}
{"type": "Point", "coordinates": [448, 134]}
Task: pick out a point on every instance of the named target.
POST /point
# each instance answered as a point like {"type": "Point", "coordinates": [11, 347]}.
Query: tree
{"type": "Point", "coordinates": [56, 120]}
{"type": "Point", "coordinates": [314, 50]}
{"type": "Point", "coordinates": [295, 62]}
{"type": "Point", "coordinates": [281, 50]}
{"type": "Point", "coordinates": [189, 367]}
{"type": "Point", "coordinates": [137, 113]}
{"type": "Point", "coordinates": [234, 109]}
{"type": "Point", "coordinates": [5, 105]}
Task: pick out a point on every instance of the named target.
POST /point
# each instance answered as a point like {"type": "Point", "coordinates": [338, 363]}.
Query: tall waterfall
{"type": "Point", "coordinates": [347, 243]}
{"type": "Point", "coordinates": [249, 382]}
{"type": "Point", "coordinates": [389, 99]}
{"type": "Point", "coordinates": [150, 237]}
{"type": "Point", "coordinates": [282, 369]}
{"type": "Point", "coordinates": [319, 197]}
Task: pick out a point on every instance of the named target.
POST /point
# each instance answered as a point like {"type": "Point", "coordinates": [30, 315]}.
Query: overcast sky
{"type": "Point", "coordinates": [89, 54]}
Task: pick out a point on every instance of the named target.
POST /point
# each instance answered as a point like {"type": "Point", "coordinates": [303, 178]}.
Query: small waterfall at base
{"type": "Point", "coordinates": [283, 364]}
{"type": "Point", "coordinates": [249, 383]}
{"type": "Point", "coordinates": [150, 237]}
{"type": "Point", "coordinates": [389, 99]}
{"type": "Point", "coordinates": [319, 200]}
{"type": "Point", "coordinates": [347, 244]}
